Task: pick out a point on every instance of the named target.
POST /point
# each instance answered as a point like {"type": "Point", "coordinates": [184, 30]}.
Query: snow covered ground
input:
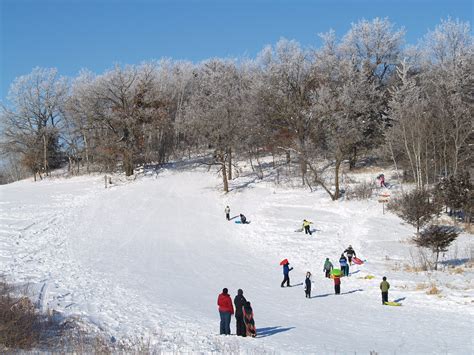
{"type": "Point", "coordinates": [146, 260]}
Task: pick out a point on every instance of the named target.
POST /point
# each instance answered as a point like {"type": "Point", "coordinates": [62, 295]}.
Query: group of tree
{"type": "Point", "coordinates": [362, 92]}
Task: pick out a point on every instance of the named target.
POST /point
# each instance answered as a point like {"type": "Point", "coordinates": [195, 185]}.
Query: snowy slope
{"type": "Point", "coordinates": [148, 259]}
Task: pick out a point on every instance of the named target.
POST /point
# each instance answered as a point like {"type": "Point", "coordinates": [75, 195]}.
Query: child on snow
{"type": "Point", "coordinates": [337, 284]}
{"type": "Point", "coordinates": [344, 265]}
{"type": "Point", "coordinates": [384, 286]}
{"type": "Point", "coordinates": [307, 285]}
{"type": "Point", "coordinates": [350, 253]}
{"type": "Point", "coordinates": [286, 275]}
{"type": "Point", "coordinates": [243, 219]}
{"type": "Point", "coordinates": [327, 268]}
{"type": "Point", "coordinates": [249, 321]}
{"type": "Point", "coordinates": [227, 213]}
{"type": "Point", "coordinates": [307, 227]}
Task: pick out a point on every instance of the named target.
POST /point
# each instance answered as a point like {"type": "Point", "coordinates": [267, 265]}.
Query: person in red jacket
{"type": "Point", "coordinates": [226, 310]}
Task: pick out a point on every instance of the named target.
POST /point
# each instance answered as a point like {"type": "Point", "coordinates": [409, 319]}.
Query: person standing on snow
{"type": "Point", "coordinates": [286, 274]}
{"type": "Point", "coordinates": [306, 226]}
{"type": "Point", "coordinates": [384, 286]}
{"type": "Point", "coordinates": [327, 268]}
{"type": "Point", "coordinates": [227, 213]}
{"type": "Point", "coordinates": [239, 302]}
{"type": "Point", "coordinates": [226, 310]}
{"type": "Point", "coordinates": [350, 254]}
{"type": "Point", "coordinates": [337, 284]}
{"type": "Point", "coordinates": [249, 321]}
{"type": "Point", "coordinates": [344, 265]}
{"type": "Point", "coordinates": [307, 285]}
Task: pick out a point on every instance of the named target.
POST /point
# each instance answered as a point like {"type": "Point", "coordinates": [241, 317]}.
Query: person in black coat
{"type": "Point", "coordinates": [240, 302]}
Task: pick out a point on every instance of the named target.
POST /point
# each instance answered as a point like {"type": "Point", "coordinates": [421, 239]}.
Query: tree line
{"type": "Point", "coordinates": [317, 107]}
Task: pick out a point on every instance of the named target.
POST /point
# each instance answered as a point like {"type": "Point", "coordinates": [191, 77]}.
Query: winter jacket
{"type": "Point", "coordinates": [227, 210]}
{"type": "Point", "coordinates": [286, 269]}
{"type": "Point", "coordinates": [350, 252]}
{"type": "Point", "coordinates": [337, 280]}
{"type": "Point", "coordinates": [343, 261]}
{"type": "Point", "coordinates": [307, 283]}
{"type": "Point", "coordinates": [243, 219]}
{"type": "Point", "coordinates": [307, 223]}
{"type": "Point", "coordinates": [384, 286]}
{"type": "Point", "coordinates": [327, 266]}
{"type": "Point", "coordinates": [225, 303]}
{"type": "Point", "coordinates": [239, 302]}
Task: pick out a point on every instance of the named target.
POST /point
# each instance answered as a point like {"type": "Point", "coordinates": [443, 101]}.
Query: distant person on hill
{"type": "Point", "coordinates": [307, 227]}
{"type": "Point", "coordinates": [286, 275]}
{"type": "Point", "coordinates": [344, 265]}
{"type": "Point", "coordinates": [227, 213]}
{"type": "Point", "coordinates": [327, 267]}
{"type": "Point", "coordinates": [307, 285]}
{"type": "Point", "coordinates": [381, 179]}
{"type": "Point", "coordinates": [239, 302]}
{"type": "Point", "coordinates": [337, 284]}
{"type": "Point", "coordinates": [225, 311]}
{"type": "Point", "coordinates": [384, 286]}
{"type": "Point", "coordinates": [350, 254]}
{"type": "Point", "coordinates": [251, 331]}
{"type": "Point", "coordinates": [243, 219]}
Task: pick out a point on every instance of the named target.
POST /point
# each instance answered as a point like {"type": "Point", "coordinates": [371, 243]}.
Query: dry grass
{"type": "Point", "coordinates": [411, 268]}
{"type": "Point", "coordinates": [457, 270]}
{"type": "Point", "coordinates": [421, 286]}
{"type": "Point", "coordinates": [433, 290]}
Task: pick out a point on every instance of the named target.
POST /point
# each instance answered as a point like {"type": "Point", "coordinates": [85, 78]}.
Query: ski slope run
{"type": "Point", "coordinates": [147, 259]}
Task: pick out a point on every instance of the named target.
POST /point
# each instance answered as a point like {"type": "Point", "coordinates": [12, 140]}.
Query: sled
{"type": "Point", "coordinates": [357, 261]}
{"type": "Point", "coordinates": [299, 230]}
{"type": "Point", "coordinates": [336, 272]}
{"type": "Point", "coordinates": [392, 304]}
{"type": "Point", "coordinates": [240, 222]}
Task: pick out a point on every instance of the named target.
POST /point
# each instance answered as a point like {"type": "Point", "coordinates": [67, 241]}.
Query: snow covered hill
{"type": "Point", "coordinates": [148, 259]}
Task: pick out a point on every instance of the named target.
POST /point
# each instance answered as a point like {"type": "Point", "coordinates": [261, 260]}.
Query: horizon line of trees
{"type": "Point", "coordinates": [354, 95]}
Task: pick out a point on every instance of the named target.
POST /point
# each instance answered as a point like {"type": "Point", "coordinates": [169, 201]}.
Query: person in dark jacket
{"type": "Point", "coordinates": [243, 219]}
{"type": "Point", "coordinates": [327, 268]}
{"type": "Point", "coordinates": [350, 254]}
{"type": "Point", "coordinates": [344, 265]}
{"type": "Point", "coordinates": [226, 309]}
{"type": "Point", "coordinates": [227, 213]}
{"type": "Point", "coordinates": [286, 275]}
{"type": "Point", "coordinates": [239, 302]}
{"type": "Point", "coordinates": [384, 286]}
{"type": "Point", "coordinates": [251, 331]}
{"type": "Point", "coordinates": [307, 285]}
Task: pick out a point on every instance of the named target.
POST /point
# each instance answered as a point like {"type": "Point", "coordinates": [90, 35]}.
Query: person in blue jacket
{"type": "Point", "coordinates": [344, 265]}
{"type": "Point", "coordinates": [286, 274]}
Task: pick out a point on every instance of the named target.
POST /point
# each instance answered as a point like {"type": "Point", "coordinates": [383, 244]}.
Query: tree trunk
{"type": "Point", "coordinates": [336, 178]}
{"type": "Point", "coordinates": [86, 146]}
{"type": "Point", "coordinates": [224, 175]}
{"type": "Point", "coordinates": [353, 160]}
{"type": "Point", "coordinates": [45, 155]}
{"type": "Point", "coordinates": [229, 172]}
{"type": "Point", "coordinates": [436, 262]}
{"type": "Point", "coordinates": [128, 163]}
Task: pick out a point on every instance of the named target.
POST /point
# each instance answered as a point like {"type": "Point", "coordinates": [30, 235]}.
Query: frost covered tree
{"type": "Point", "coordinates": [31, 125]}
{"type": "Point", "coordinates": [437, 239]}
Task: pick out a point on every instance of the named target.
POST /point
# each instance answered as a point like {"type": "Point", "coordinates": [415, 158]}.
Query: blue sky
{"type": "Point", "coordinates": [75, 34]}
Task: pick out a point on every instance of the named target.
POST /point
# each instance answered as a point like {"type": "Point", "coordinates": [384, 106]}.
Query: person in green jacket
{"type": "Point", "coordinates": [327, 268]}
{"type": "Point", "coordinates": [384, 286]}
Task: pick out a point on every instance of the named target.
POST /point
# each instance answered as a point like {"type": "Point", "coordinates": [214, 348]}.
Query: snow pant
{"type": "Point", "coordinates": [240, 326]}
{"type": "Point", "coordinates": [384, 297]}
{"type": "Point", "coordinates": [345, 270]}
{"type": "Point", "coordinates": [287, 280]}
{"type": "Point", "coordinates": [227, 215]}
{"type": "Point", "coordinates": [308, 292]}
{"type": "Point", "coordinates": [337, 289]}
{"type": "Point", "coordinates": [328, 273]}
{"type": "Point", "coordinates": [225, 322]}
{"type": "Point", "coordinates": [307, 230]}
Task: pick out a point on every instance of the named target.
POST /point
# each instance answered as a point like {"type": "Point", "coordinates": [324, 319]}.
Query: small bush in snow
{"type": "Point", "coordinates": [361, 191]}
{"type": "Point", "coordinates": [437, 239]}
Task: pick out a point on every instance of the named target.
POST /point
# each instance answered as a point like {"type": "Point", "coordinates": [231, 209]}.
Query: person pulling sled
{"type": "Point", "coordinates": [307, 227]}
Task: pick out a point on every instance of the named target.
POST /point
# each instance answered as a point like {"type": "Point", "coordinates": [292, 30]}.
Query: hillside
{"type": "Point", "coordinates": [148, 258]}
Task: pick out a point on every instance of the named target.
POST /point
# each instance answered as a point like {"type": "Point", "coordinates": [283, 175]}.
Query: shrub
{"type": "Point", "coordinates": [437, 239]}
{"type": "Point", "coordinates": [361, 191]}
